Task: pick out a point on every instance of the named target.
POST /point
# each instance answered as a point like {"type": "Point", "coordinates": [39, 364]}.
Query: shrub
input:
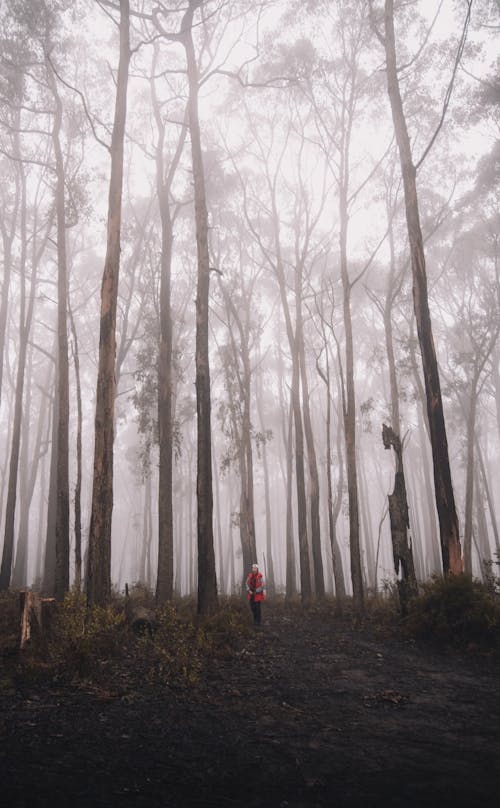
{"type": "Point", "coordinates": [174, 652]}
{"type": "Point", "coordinates": [458, 611]}
{"type": "Point", "coordinates": [80, 636]}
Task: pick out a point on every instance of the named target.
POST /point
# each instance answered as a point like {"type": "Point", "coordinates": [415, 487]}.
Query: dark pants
{"type": "Point", "coordinates": [255, 607]}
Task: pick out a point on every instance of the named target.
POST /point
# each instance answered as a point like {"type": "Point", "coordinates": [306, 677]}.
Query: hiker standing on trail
{"type": "Point", "coordinates": [255, 592]}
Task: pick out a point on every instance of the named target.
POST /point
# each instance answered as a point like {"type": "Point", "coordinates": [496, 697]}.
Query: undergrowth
{"type": "Point", "coordinates": [456, 611]}
{"type": "Point", "coordinates": [98, 644]}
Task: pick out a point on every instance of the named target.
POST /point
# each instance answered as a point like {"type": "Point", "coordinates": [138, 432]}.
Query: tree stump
{"type": "Point", "coordinates": [36, 616]}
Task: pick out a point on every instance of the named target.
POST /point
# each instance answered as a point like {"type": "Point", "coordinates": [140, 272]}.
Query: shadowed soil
{"type": "Point", "coordinates": [308, 711]}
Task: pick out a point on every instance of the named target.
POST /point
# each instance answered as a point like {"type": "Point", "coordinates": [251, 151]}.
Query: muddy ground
{"type": "Point", "coordinates": [308, 711]}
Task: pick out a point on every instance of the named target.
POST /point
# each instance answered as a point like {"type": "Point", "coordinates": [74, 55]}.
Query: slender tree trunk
{"type": "Point", "coordinates": [164, 583]}
{"type": "Point", "coordinates": [366, 521]}
{"type": "Point", "coordinates": [270, 582]}
{"type": "Point", "coordinates": [78, 483]}
{"type": "Point", "coordinates": [338, 572]}
{"type": "Point", "coordinates": [62, 516]}
{"type": "Point", "coordinates": [305, 569]}
{"type": "Point", "coordinates": [218, 522]}
{"type": "Point", "coordinates": [318, 575]}
{"type": "Point", "coordinates": [8, 235]}
{"type": "Point", "coordinates": [469, 475]}
{"type": "Point", "coordinates": [349, 409]}
{"type": "Point", "coordinates": [99, 553]}
{"type": "Point", "coordinates": [207, 580]}
{"type": "Point", "coordinates": [164, 180]}
{"type": "Point", "coordinates": [291, 579]}
{"type": "Point", "coordinates": [482, 529]}
{"type": "Point", "coordinates": [489, 498]}
{"type": "Point", "coordinates": [49, 564]}
{"type": "Point", "coordinates": [25, 320]}
{"type": "Point", "coordinates": [28, 474]}
{"type": "Point", "coordinates": [445, 500]}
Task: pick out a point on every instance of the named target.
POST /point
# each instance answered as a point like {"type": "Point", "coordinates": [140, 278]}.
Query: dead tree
{"type": "Point", "coordinates": [400, 523]}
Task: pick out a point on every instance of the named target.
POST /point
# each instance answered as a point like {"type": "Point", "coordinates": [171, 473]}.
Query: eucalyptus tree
{"type": "Point", "coordinates": [167, 158]}
{"type": "Point", "coordinates": [474, 303]}
{"type": "Point", "coordinates": [284, 224]}
{"type": "Point", "coordinates": [30, 151]}
{"type": "Point", "coordinates": [237, 291]}
{"type": "Point", "coordinates": [99, 551]}
{"type": "Point", "coordinates": [161, 17]}
{"type": "Point", "coordinates": [444, 495]}
{"type": "Point", "coordinates": [339, 86]}
{"type": "Point", "coordinates": [9, 213]}
{"type": "Point", "coordinates": [325, 308]}
{"type": "Point", "coordinates": [391, 434]}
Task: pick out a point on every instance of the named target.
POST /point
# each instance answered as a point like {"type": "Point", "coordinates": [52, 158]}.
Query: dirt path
{"type": "Point", "coordinates": [306, 714]}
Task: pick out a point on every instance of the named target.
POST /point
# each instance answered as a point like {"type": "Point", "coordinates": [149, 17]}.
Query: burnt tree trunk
{"type": "Point", "coordinates": [445, 500]}
{"type": "Point", "coordinates": [398, 513]}
{"type": "Point", "coordinates": [99, 551]}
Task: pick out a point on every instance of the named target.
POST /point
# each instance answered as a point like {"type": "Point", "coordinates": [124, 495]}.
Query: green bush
{"type": "Point", "coordinates": [456, 611]}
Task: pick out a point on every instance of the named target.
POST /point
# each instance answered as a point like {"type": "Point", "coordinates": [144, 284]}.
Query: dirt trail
{"type": "Point", "coordinates": [306, 713]}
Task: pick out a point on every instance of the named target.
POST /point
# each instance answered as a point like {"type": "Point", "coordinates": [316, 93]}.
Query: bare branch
{"type": "Point", "coordinates": [449, 90]}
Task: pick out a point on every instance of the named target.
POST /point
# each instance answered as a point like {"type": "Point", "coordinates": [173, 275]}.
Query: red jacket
{"type": "Point", "coordinates": [255, 586]}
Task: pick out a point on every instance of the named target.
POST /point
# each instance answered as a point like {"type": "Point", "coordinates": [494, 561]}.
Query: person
{"type": "Point", "coordinates": [255, 593]}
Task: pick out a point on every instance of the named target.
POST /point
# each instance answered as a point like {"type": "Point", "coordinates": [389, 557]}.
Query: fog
{"type": "Point", "coordinates": [314, 335]}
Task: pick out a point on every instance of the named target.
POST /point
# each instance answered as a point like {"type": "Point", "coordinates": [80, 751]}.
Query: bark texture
{"type": "Point", "coordinates": [99, 556]}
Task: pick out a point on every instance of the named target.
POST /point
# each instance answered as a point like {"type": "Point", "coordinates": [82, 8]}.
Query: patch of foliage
{"type": "Point", "coordinates": [173, 653]}
{"type": "Point", "coordinates": [456, 611]}
{"type": "Point", "coordinates": [81, 637]}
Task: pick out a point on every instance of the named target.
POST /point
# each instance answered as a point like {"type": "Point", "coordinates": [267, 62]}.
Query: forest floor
{"type": "Point", "coordinates": [307, 711]}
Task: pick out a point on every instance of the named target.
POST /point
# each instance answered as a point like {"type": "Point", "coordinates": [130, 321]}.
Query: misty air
{"type": "Point", "coordinates": [249, 403]}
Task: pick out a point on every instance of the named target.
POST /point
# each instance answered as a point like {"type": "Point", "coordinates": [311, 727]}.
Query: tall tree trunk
{"type": "Point", "coordinates": [8, 231]}
{"type": "Point", "coordinates": [218, 522]}
{"type": "Point", "coordinates": [469, 475]}
{"type": "Point", "coordinates": [402, 550]}
{"type": "Point", "coordinates": [291, 579]}
{"type": "Point", "coordinates": [270, 580]}
{"type": "Point", "coordinates": [207, 580]}
{"type": "Point", "coordinates": [78, 482]}
{"type": "Point", "coordinates": [164, 180]}
{"type": "Point", "coordinates": [49, 564]}
{"type": "Point", "coordinates": [99, 552]}
{"type": "Point", "coordinates": [338, 572]}
{"type": "Point", "coordinates": [305, 567]}
{"type": "Point", "coordinates": [62, 516]}
{"type": "Point", "coordinates": [445, 500]}
{"type": "Point", "coordinates": [318, 575]}
{"type": "Point", "coordinates": [349, 409]}
{"type": "Point", "coordinates": [165, 577]}
{"type": "Point", "coordinates": [25, 320]}
{"type": "Point", "coordinates": [489, 498]}
{"type": "Point", "coordinates": [28, 475]}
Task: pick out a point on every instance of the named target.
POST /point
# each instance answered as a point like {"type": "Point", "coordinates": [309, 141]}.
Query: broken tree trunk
{"type": "Point", "coordinates": [36, 616]}
{"type": "Point", "coordinates": [400, 523]}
